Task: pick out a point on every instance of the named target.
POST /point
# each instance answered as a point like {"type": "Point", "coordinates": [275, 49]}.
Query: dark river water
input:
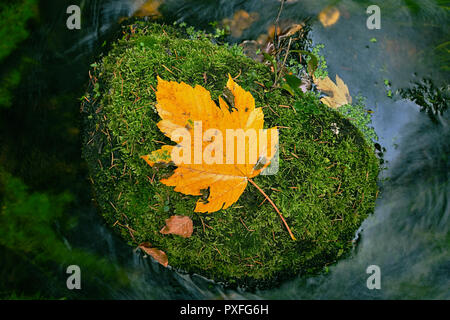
{"type": "Point", "coordinates": [407, 236]}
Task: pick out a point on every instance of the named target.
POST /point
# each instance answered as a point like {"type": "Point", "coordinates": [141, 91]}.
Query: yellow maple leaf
{"type": "Point", "coordinates": [337, 94]}
{"type": "Point", "coordinates": [189, 111]}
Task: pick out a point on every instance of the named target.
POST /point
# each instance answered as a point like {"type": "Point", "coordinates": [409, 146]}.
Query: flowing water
{"type": "Point", "coordinates": [407, 236]}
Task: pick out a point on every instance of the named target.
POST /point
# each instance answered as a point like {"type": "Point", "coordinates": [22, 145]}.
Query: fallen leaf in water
{"type": "Point", "coordinates": [157, 254]}
{"type": "Point", "coordinates": [149, 8]}
{"type": "Point", "coordinates": [338, 94]}
{"type": "Point", "coordinates": [191, 110]}
{"type": "Point", "coordinates": [241, 21]}
{"type": "Point", "coordinates": [179, 225]}
{"type": "Point", "coordinates": [329, 16]}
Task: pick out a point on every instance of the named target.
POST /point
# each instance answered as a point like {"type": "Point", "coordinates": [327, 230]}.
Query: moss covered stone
{"type": "Point", "coordinates": [325, 187]}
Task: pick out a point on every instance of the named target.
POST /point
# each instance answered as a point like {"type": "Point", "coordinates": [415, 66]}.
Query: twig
{"type": "Point", "coordinates": [275, 38]}
{"type": "Point", "coordinates": [250, 230]}
{"type": "Point", "coordinates": [284, 60]}
{"type": "Point", "coordinates": [287, 53]}
{"type": "Point", "coordinates": [168, 69]}
{"type": "Point", "coordinates": [203, 224]}
{"type": "Point", "coordinates": [274, 206]}
{"type": "Point", "coordinates": [217, 250]}
{"type": "Point", "coordinates": [276, 42]}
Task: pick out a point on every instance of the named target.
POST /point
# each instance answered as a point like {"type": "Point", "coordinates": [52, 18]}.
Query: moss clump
{"type": "Point", "coordinates": [325, 187]}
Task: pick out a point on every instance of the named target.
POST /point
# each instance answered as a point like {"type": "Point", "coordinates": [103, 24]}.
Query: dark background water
{"type": "Point", "coordinates": [408, 235]}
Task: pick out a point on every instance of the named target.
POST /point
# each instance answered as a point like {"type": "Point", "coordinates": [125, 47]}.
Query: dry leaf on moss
{"type": "Point", "coordinates": [181, 106]}
{"type": "Point", "coordinates": [338, 94]}
{"type": "Point", "coordinates": [179, 225]}
{"type": "Point", "coordinates": [157, 254]}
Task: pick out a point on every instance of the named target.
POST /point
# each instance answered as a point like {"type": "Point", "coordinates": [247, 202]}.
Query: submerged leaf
{"type": "Point", "coordinates": [241, 21]}
{"type": "Point", "coordinates": [329, 16]}
{"type": "Point", "coordinates": [149, 8]}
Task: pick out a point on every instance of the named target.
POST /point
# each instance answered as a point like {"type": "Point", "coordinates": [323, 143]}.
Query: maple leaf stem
{"type": "Point", "coordinates": [275, 207]}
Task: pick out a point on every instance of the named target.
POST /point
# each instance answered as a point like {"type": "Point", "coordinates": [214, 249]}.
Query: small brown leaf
{"type": "Point", "coordinates": [179, 225]}
{"type": "Point", "coordinates": [157, 254]}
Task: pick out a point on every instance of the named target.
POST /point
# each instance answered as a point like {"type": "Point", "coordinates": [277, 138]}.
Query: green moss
{"type": "Point", "coordinates": [9, 82]}
{"type": "Point", "coordinates": [325, 188]}
{"type": "Point", "coordinates": [360, 118]}
{"type": "Point", "coordinates": [30, 226]}
{"type": "Point", "coordinates": [14, 16]}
